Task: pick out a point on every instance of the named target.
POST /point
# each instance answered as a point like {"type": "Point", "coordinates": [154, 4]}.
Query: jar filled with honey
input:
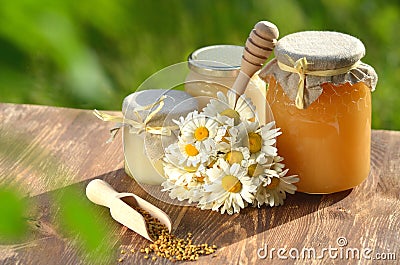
{"type": "Point", "coordinates": [215, 68]}
{"type": "Point", "coordinates": [320, 94]}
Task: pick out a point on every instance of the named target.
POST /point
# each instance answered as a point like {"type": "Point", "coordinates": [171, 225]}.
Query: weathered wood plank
{"type": "Point", "coordinates": [45, 150]}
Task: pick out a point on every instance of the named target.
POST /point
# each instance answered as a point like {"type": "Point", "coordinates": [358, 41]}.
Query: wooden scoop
{"type": "Point", "coordinates": [259, 46]}
{"type": "Point", "coordinates": [100, 192]}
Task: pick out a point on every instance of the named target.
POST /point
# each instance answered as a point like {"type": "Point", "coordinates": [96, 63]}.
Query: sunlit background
{"type": "Point", "coordinates": [91, 54]}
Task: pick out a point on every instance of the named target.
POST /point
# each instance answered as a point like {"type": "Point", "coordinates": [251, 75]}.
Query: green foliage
{"type": "Point", "coordinates": [78, 218]}
{"type": "Point", "coordinates": [13, 225]}
{"type": "Point", "coordinates": [91, 54]}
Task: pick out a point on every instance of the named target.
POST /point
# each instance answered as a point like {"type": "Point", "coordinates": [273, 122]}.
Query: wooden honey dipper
{"type": "Point", "coordinates": [259, 46]}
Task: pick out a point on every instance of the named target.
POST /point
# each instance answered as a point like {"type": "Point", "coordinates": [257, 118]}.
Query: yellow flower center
{"type": "Point", "coordinates": [234, 157]}
{"type": "Point", "coordinates": [191, 150]}
{"type": "Point", "coordinates": [255, 142]}
{"type": "Point", "coordinates": [274, 183]}
{"type": "Point", "coordinates": [201, 133]}
{"type": "Point", "coordinates": [231, 184]}
{"type": "Point", "coordinates": [190, 169]}
{"type": "Point", "coordinates": [251, 170]}
{"type": "Point", "coordinates": [232, 114]}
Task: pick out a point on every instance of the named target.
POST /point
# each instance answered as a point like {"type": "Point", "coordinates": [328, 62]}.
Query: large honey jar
{"type": "Point", "coordinates": [320, 94]}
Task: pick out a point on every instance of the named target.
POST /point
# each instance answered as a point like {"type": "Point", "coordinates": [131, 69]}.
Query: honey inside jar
{"type": "Point", "coordinates": [327, 144]}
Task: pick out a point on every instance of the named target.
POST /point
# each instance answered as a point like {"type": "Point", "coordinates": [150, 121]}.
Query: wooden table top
{"type": "Point", "coordinates": [47, 150]}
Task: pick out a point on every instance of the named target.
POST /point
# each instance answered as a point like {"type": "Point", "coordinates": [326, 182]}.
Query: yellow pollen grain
{"type": "Point", "coordinates": [201, 133]}
{"type": "Point", "coordinates": [255, 142]}
{"type": "Point", "coordinates": [191, 150]}
{"type": "Point", "coordinates": [231, 184]}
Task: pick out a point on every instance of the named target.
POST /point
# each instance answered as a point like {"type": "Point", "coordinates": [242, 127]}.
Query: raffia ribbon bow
{"type": "Point", "coordinates": [140, 125]}
{"type": "Point", "coordinates": [300, 67]}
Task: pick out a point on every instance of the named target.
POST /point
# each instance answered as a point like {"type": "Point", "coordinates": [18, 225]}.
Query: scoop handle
{"type": "Point", "coordinates": [100, 192]}
{"type": "Point", "coordinates": [258, 48]}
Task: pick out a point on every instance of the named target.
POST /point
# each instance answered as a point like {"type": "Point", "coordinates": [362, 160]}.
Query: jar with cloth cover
{"type": "Point", "coordinates": [320, 94]}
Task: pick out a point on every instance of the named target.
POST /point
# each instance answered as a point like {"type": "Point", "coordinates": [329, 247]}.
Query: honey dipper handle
{"type": "Point", "coordinates": [258, 48]}
{"type": "Point", "coordinates": [100, 192]}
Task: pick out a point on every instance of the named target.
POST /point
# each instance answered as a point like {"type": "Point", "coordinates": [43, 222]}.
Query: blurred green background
{"type": "Point", "coordinates": [91, 54]}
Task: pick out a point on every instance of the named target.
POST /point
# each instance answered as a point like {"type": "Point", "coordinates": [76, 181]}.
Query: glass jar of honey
{"type": "Point", "coordinates": [215, 68]}
{"type": "Point", "coordinates": [320, 94]}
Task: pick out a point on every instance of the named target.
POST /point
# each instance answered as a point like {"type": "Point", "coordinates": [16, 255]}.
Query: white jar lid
{"type": "Point", "coordinates": [217, 60]}
{"type": "Point", "coordinates": [176, 104]}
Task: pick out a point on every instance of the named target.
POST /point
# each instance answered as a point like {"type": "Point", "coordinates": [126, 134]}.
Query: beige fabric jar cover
{"type": "Point", "coordinates": [305, 60]}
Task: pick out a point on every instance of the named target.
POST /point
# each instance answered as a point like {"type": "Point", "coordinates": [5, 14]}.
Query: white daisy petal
{"type": "Point", "coordinates": [239, 200]}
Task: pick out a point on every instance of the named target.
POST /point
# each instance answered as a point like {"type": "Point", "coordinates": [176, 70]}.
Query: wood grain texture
{"type": "Point", "coordinates": [46, 150]}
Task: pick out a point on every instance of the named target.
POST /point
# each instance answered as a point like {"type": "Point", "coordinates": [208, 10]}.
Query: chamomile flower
{"type": "Point", "coordinates": [226, 108]}
{"type": "Point", "coordinates": [181, 193]}
{"type": "Point", "coordinates": [261, 139]}
{"type": "Point", "coordinates": [185, 154]}
{"type": "Point", "coordinates": [199, 130]}
{"type": "Point", "coordinates": [230, 189]}
{"type": "Point", "coordinates": [188, 176]}
{"type": "Point", "coordinates": [184, 183]}
{"type": "Point", "coordinates": [273, 190]}
{"type": "Point", "coordinates": [259, 168]}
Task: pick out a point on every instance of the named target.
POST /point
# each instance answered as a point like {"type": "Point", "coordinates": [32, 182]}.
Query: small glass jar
{"type": "Point", "coordinates": [320, 94]}
{"type": "Point", "coordinates": [144, 149]}
{"type": "Point", "coordinates": [215, 68]}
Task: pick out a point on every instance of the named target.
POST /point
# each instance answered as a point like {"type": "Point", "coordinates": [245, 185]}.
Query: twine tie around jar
{"type": "Point", "coordinates": [300, 67]}
{"type": "Point", "coordinates": [140, 125]}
